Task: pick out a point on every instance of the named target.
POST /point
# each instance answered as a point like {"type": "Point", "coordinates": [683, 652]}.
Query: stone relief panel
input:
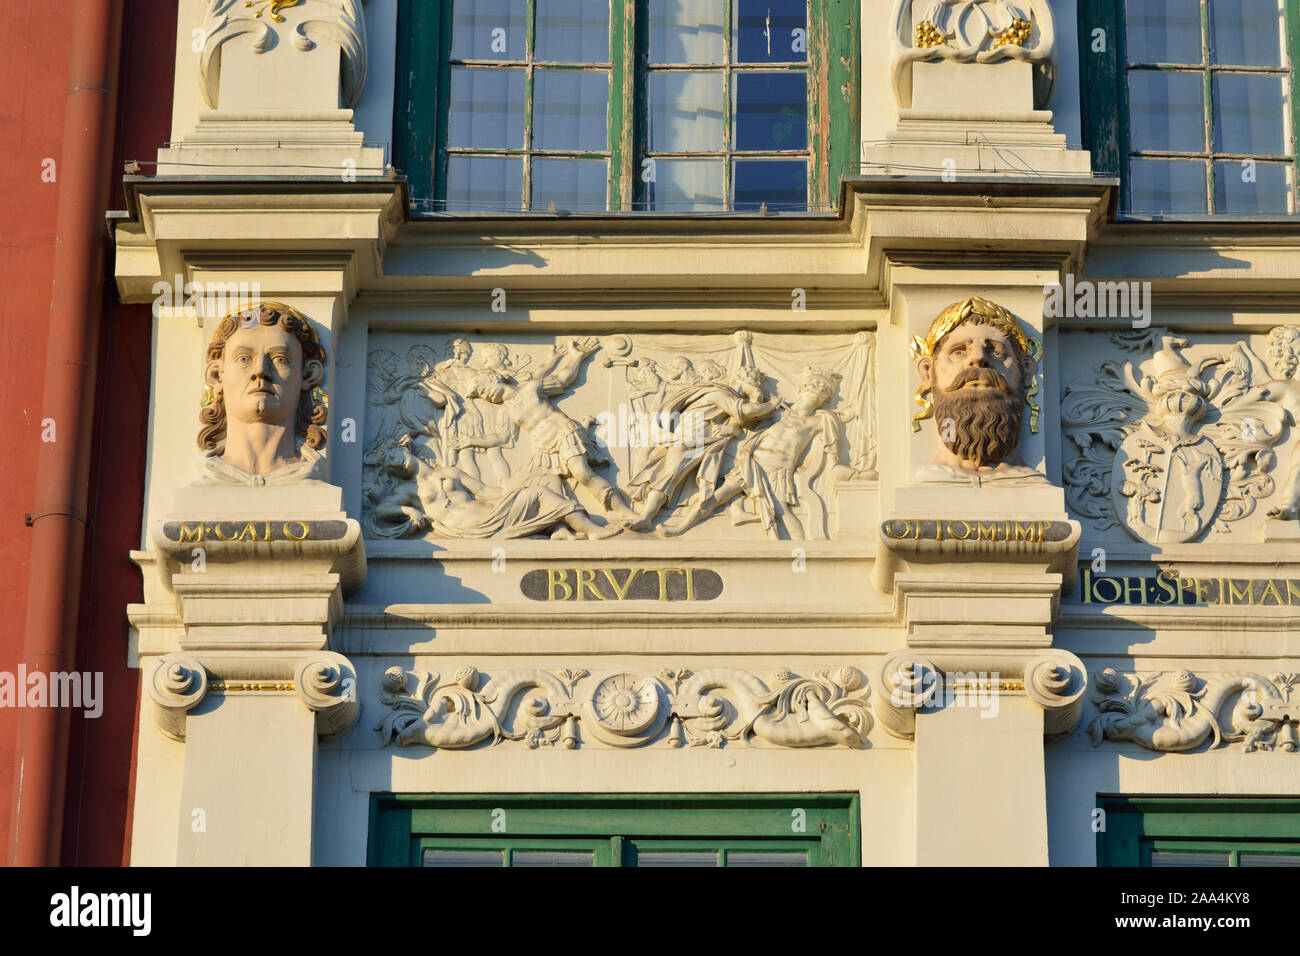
{"type": "Point", "coordinates": [1178, 711]}
{"type": "Point", "coordinates": [674, 707]}
{"type": "Point", "coordinates": [661, 434]}
{"type": "Point", "coordinates": [1183, 445]}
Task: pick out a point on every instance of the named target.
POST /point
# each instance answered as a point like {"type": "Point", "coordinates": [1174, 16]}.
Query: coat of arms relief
{"type": "Point", "coordinates": [591, 437]}
{"type": "Point", "coordinates": [1187, 442]}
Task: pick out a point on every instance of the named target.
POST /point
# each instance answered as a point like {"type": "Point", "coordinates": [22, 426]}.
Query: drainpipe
{"type": "Point", "coordinates": [58, 516]}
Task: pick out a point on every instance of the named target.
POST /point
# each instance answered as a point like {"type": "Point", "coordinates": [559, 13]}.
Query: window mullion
{"type": "Point", "coordinates": [530, 25]}
{"type": "Point", "coordinates": [726, 104]}
{"type": "Point", "coordinates": [622, 105]}
{"type": "Point", "coordinates": [1207, 86]}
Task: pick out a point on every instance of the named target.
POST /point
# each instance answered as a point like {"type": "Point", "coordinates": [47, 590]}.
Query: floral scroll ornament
{"type": "Point", "coordinates": [1179, 711]}
{"type": "Point", "coordinates": [974, 31]}
{"type": "Point", "coordinates": [623, 709]}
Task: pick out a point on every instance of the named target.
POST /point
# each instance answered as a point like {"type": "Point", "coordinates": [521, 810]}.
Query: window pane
{"type": "Point", "coordinates": [1163, 31]}
{"type": "Point", "coordinates": [771, 31]}
{"type": "Point", "coordinates": [569, 183]}
{"type": "Point", "coordinates": [1167, 186]}
{"type": "Point", "coordinates": [676, 858]}
{"type": "Point", "coordinates": [683, 185]}
{"type": "Point", "coordinates": [1246, 32]}
{"type": "Point", "coordinates": [1248, 186]}
{"type": "Point", "coordinates": [1166, 111]}
{"type": "Point", "coordinates": [487, 108]}
{"type": "Point", "coordinates": [685, 112]}
{"type": "Point", "coordinates": [1248, 114]}
{"type": "Point", "coordinates": [781, 184]}
{"type": "Point", "coordinates": [485, 184]}
{"type": "Point", "coordinates": [1268, 859]}
{"type": "Point", "coordinates": [488, 29]}
{"type": "Point", "coordinates": [686, 31]}
{"type": "Point", "coordinates": [762, 858]}
{"type": "Point", "coordinates": [464, 858]}
{"type": "Point", "coordinates": [573, 31]}
{"type": "Point", "coordinates": [550, 858]}
{"type": "Point", "coordinates": [771, 111]}
{"type": "Point", "coordinates": [1175, 858]}
{"type": "Point", "coordinates": [569, 109]}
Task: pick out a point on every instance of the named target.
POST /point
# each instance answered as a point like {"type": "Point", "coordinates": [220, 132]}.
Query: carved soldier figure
{"type": "Point", "coordinates": [263, 365]}
{"type": "Point", "coordinates": [977, 375]}
{"type": "Point", "coordinates": [766, 462]}
{"type": "Point", "coordinates": [557, 444]}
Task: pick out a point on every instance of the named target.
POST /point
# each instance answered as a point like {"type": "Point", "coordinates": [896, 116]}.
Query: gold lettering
{"type": "Point", "coordinates": [1202, 586]}
{"type": "Point", "coordinates": [938, 530]}
{"type": "Point", "coordinates": [266, 532]}
{"type": "Point", "coordinates": [560, 577]}
{"type": "Point", "coordinates": [1025, 531]}
{"type": "Point", "coordinates": [1132, 585]}
{"type": "Point", "coordinates": [986, 531]}
{"type": "Point", "coordinates": [1270, 585]}
{"type": "Point", "coordinates": [1162, 582]}
{"type": "Point", "coordinates": [306, 530]}
{"type": "Point", "coordinates": [663, 580]}
{"type": "Point", "coordinates": [1087, 586]}
{"type": "Point", "coordinates": [965, 530]}
{"type": "Point", "coordinates": [1185, 585]}
{"type": "Point", "coordinates": [250, 532]}
{"type": "Point", "coordinates": [191, 534]}
{"type": "Point", "coordinates": [620, 594]}
{"type": "Point", "coordinates": [1043, 528]}
{"type": "Point", "coordinates": [1292, 591]}
{"type": "Point", "coordinates": [586, 578]}
{"type": "Point", "coordinates": [889, 528]}
{"type": "Point", "coordinates": [1234, 594]}
{"type": "Point", "coordinates": [216, 529]}
{"type": "Point", "coordinates": [690, 584]}
{"type": "Point", "coordinates": [1115, 594]}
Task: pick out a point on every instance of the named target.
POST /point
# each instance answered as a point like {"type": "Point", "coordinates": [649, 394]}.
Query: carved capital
{"type": "Point", "coordinates": [1056, 682]}
{"type": "Point", "coordinates": [176, 685]}
{"type": "Point", "coordinates": [908, 682]}
{"type": "Point", "coordinates": [327, 684]}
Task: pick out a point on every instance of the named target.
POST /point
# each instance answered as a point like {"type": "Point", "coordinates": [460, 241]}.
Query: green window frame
{"type": "Point", "coordinates": [617, 829]}
{"type": "Point", "coordinates": [1105, 108]}
{"type": "Point", "coordinates": [1233, 831]}
{"type": "Point", "coordinates": [422, 104]}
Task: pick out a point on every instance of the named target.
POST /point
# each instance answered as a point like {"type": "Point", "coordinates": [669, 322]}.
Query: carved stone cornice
{"type": "Point", "coordinates": [625, 709]}
{"type": "Point", "coordinates": [324, 681]}
{"type": "Point", "coordinates": [912, 681]}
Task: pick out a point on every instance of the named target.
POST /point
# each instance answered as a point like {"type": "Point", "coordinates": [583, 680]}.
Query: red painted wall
{"type": "Point", "coordinates": [34, 54]}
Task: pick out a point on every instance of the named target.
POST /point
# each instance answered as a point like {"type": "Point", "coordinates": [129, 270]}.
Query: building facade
{"type": "Point", "coordinates": [837, 432]}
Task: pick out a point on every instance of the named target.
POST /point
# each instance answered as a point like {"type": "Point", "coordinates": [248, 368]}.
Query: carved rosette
{"type": "Point", "coordinates": [176, 685]}
{"type": "Point", "coordinates": [626, 709]}
{"type": "Point", "coordinates": [1176, 711]}
{"type": "Point", "coordinates": [337, 21]}
{"type": "Point", "coordinates": [973, 31]}
{"type": "Point", "coordinates": [327, 684]}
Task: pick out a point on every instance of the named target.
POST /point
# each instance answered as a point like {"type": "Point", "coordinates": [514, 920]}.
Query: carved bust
{"type": "Point", "coordinates": [263, 366]}
{"type": "Point", "coordinates": [977, 375]}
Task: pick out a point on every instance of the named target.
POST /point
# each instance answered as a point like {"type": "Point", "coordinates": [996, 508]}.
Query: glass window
{"type": "Point", "coordinates": [1208, 89]}
{"type": "Point", "coordinates": [661, 105]}
{"type": "Point", "coordinates": [1199, 831]}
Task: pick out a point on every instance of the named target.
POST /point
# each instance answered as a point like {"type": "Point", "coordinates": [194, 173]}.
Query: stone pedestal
{"type": "Point", "coordinates": [240, 669]}
{"type": "Point", "coordinates": [977, 575]}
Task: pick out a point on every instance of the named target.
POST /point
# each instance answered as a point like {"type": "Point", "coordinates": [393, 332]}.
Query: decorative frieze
{"type": "Point", "coordinates": [596, 437]}
{"type": "Point", "coordinates": [1177, 711]}
{"type": "Point", "coordinates": [623, 708]}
